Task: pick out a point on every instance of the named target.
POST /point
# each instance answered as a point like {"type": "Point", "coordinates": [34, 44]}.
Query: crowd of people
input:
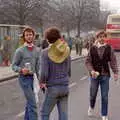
{"type": "Point", "coordinates": [52, 66]}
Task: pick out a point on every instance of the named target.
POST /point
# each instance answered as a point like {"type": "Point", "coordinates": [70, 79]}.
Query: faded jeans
{"type": "Point", "coordinates": [55, 95]}
{"type": "Point", "coordinates": [26, 83]}
{"type": "Point", "coordinates": [103, 81]}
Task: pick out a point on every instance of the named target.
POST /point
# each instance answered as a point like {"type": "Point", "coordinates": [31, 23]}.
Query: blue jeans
{"type": "Point", "coordinates": [55, 95]}
{"type": "Point", "coordinates": [26, 83]}
{"type": "Point", "coordinates": [103, 81]}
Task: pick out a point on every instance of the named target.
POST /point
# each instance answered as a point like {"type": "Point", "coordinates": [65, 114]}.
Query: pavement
{"type": "Point", "coordinates": [6, 73]}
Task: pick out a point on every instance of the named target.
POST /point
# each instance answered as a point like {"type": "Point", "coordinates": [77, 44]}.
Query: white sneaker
{"type": "Point", "coordinates": [104, 118]}
{"type": "Point", "coordinates": [90, 111]}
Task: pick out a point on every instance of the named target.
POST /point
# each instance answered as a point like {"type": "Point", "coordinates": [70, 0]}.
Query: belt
{"type": "Point", "coordinates": [26, 75]}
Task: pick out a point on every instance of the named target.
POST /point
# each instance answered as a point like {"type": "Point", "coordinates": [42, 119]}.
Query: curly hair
{"type": "Point", "coordinates": [101, 33]}
{"type": "Point", "coordinates": [27, 29]}
{"type": "Point", "coordinates": [52, 34]}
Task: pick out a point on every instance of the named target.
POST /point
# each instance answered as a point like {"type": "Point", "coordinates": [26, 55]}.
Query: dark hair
{"type": "Point", "coordinates": [101, 33]}
{"type": "Point", "coordinates": [28, 29]}
{"type": "Point", "coordinates": [52, 34]}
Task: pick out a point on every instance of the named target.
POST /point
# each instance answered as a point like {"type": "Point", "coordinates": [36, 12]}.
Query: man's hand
{"type": "Point", "coordinates": [94, 74]}
{"type": "Point", "coordinates": [43, 87]}
{"type": "Point", "coordinates": [25, 71]}
{"type": "Point", "coordinates": [115, 77]}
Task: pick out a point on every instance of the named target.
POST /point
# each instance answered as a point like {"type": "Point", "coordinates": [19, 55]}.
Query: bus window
{"type": "Point", "coordinates": [115, 19]}
{"type": "Point", "coordinates": [115, 35]}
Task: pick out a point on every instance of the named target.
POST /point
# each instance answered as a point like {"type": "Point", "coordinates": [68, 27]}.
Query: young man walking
{"type": "Point", "coordinates": [26, 63]}
{"type": "Point", "coordinates": [55, 73]}
{"type": "Point", "coordinates": [99, 58]}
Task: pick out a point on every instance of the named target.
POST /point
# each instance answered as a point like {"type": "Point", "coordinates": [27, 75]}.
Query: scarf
{"type": "Point", "coordinates": [29, 46]}
{"type": "Point", "coordinates": [100, 45]}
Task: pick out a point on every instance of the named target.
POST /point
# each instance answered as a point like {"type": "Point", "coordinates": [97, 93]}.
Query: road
{"type": "Point", "coordinates": [12, 98]}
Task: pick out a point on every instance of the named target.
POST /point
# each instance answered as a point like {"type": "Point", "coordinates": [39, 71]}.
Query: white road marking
{"type": "Point", "coordinates": [72, 84]}
{"type": "Point", "coordinates": [84, 78]}
{"type": "Point", "coordinates": [20, 114]}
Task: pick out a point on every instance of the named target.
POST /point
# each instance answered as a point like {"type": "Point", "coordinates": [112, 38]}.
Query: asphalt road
{"type": "Point", "coordinates": [12, 99]}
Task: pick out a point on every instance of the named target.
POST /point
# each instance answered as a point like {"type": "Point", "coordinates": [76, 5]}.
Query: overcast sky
{"type": "Point", "coordinates": [111, 4]}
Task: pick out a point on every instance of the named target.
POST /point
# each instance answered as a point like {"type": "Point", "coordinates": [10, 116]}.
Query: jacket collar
{"type": "Point", "coordinates": [98, 45]}
{"type": "Point", "coordinates": [28, 45]}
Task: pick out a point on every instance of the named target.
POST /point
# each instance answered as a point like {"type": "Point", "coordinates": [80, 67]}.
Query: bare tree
{"type": "Point", "coordinates": [67, 14]}
{"type": "Point", "coordinates": [38, 14]}
{"type": "Point", "coordinates": [103, 19]}
{"type": "Point", "coordinates": [85, 12]}
{"type": "Point", "coordinates": [18, 11]}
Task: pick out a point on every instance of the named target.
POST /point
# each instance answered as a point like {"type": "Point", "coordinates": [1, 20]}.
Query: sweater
{"type": "Point", "coordinates": [54, 73]}
{"type": "Point", "coordinates": [23, 55]}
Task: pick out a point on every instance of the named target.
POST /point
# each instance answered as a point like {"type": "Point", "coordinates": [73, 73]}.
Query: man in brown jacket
{"type": "Point", "coordinates": [99, 58]}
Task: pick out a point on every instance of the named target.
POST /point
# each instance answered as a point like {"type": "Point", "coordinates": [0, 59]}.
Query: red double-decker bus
{"type": "Point", "coordinates": [113, 31]}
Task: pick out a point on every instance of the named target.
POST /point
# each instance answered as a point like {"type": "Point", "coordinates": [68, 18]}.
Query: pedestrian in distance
{"type": "Point", "coordinates": [26, 63]}
{"type": "Point", "coordinates": [77, 44]}
{"type": "Point", "coordinates": [70, 42]}
{"type": "Point", "coordinates": [80, 46]}
{"type": "Point", "coordinates": [87, 45]}
{"type": "Point", "coordinates": [100, 57]}
{"type": "Point", "coordinates": [55, 73]}
{"type": "Point", "coordinates": [44, 44]}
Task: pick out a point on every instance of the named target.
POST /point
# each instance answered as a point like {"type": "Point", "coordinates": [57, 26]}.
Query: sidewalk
{"type": "Point", "coordinates": [74, 56]}
{"type": "Point", "coordinates": [6, 73]}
